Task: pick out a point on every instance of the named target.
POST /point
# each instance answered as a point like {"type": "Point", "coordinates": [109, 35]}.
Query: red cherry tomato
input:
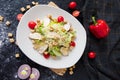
{"type": "Point", "coordinates": [60, 19]}
{"type": "Point", "coordinates": [72, 5]}
{"type": "Point", "coordinates": [19, 16]}
{"type": "Point", "coordinates": [91, 55]}
{"type": "Point", "coordinates": [31, 24]}
{"type": "Point", "coordinates": [46, 55]}
{"type": "Point", "coordinates": [76, 13]}
{"type": "Point", "coordinates": [72, 43]}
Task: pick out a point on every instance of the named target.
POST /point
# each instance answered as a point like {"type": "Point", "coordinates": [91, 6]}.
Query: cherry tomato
{"type": "Point", "coordinates": [91, 55]}
{"type": "Point", "coordinates": [72, 43]}
{"type": "Point", "coordinates": [46, 55]}
{"type": "Point", "coordinates": [72, 5]}
{"type": "Point", "coordinates": [60, 19]}
{"type": "Point", "coordinates": [19, 16]}
{"type": "Point", "coordinates": [31, 24]}
{"type": "Point", "coordinates": [76, 13]}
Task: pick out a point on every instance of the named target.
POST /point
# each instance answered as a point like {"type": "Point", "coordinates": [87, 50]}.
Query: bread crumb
{"type": "Point", "coordinates": [70, 72]}
{"type": "Point", "coordinates": [33, 3]}
{"type": "Point", "coordinates": [28, 7]}
{"type": "Point", "coordinates": [11, 40]}
{"type": "Point", "coordinates": [1, 18]}
{"type": "Point", "coordinates": [22, 9]}
{"type": "Point", "coordinates": [7, 23]}
{"type": "Point", "coordinates": [17, 55]}
{"type": "Point", "coordinates": [10, 35]}
{"type": "Point", "coordinates": [36, 3]}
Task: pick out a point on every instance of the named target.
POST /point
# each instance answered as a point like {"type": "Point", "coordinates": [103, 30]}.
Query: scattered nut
{"type": "Point", "coordinates": [33, 3]}
{"type": "Point", "coordinates": [22, 9]}
{"type": "Point", "coordinates": [10, 35]}
{"type": "Point", "coordinates": [17, 55]}
{"type": "Point", "coordinates": [7, 23]}
{"type": "Point", "coordinates": [1, 18]}
{"type": "Point", "coordinates": [28, 7]}
{"type": "Point", "coordinates": [11, 40]}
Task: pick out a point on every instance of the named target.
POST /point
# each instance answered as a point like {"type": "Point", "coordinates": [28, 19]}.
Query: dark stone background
{"type": "Point", "coordinates": [106, 66]}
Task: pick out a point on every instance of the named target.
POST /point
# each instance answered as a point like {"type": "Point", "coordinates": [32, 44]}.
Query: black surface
{"type": "Point", "coordinates": [106, 66]}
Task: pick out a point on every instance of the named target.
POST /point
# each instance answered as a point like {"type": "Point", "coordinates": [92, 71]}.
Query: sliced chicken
{"type": "Point", "coordinates": [67, 26]}
{"type": "Point", "coordinates": [64, 51]}
{"type": "Point", "coordinates": [43, 48]}
{"type": "Point", "coordinates": [46, 21]}
{"type": "Point", "coordinates": [35, 36]}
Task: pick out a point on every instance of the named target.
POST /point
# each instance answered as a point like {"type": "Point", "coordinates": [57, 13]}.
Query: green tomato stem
{"type": "Point", "coordinates": [94, 21]}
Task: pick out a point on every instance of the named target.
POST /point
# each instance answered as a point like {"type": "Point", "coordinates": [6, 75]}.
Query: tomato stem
{"type": "Point", "coordinates": [94, 21]}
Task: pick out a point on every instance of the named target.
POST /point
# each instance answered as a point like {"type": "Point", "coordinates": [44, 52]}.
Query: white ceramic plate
{"type": "Point", "coordinates": [26, 46]}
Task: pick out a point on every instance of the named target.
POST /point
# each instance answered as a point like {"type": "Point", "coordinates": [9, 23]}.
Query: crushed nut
{"type": "Point", "coordinates": [10, 35]}
{"type": "Point", "coordinates": [11, 40]}
{"type": "Point", "coordinates": [17, 55]}
{"type": "Point", "coordinates": [28, 7]}
{"type": "Point", "coordinates": [7, 23]}
{"type": "Point", "coordinates": [22, 9]}
{"type": "Point", "coordinates": [33, 3]}
{"type": "Point", "coordinates": [1, 18]}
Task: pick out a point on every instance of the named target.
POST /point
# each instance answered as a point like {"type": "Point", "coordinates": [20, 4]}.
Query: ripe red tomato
{"type": "Point", "coordinates": [72, 5]}
{"type": "Point", "coordinates": [19, 16]}
{"type": "Point", "coordinates": [31, 24]}
{"type": "Point", "coordinates": [76, 13]}
{"type": "Point", "coordinates": [91, 55]}
{"type": "Point", "coordinates": [46, 55]}
{"type": "Point", "coordinates": [60, 19]}
{"type": "Point", "coordinates": [72, 43]}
